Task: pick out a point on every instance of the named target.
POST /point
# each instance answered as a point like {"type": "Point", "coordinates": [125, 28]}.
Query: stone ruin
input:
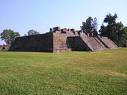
{"type": "Point", "coordinates": [59, 40]}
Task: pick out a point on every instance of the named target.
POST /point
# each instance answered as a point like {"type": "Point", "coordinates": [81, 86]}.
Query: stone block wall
{"type": "Point", "coordinates": [59, 40]}
{"type": "Point", "coordinates": [77, 44]}
{"type": "Point", "coordinates": [40, 42]}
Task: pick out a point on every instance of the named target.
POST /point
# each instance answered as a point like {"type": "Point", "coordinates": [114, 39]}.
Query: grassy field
{"type": "Point", "coordinates": [72, 73]}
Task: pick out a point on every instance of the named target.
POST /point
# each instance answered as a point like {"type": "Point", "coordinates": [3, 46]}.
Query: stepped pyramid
{"type": "Point", "coordinates": [59, 40]}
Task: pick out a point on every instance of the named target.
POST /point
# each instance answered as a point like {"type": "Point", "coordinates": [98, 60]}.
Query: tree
{"type": "Point", "coordinates": [32, 32]}
{"type": "Point", "coordinates": [124, 38]}
{"type": "Point", "coordinates": [9, 35]}
{"type": "Point", "coordinates": [119, 34]}
{"type": "Point", "coordinates": [110, 19]}
{"type": "Point", "coordinates": [94, 26]}
{"type": "Point", "coordinates": [103, 31]}
{"type": "Point", "coordinates": [87, 25]}
{"type": "Point", "coordinates": [90, 26]}
{"type": "Point", "coordinates": [110, 29]}
{"type": "Point", "coordinates": [113, 30]}
{"type": "Point", "coordinates": [125, 31]}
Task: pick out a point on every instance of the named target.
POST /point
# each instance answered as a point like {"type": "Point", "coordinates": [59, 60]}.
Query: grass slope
{"type": "Point", "coordinates": [73, 73]}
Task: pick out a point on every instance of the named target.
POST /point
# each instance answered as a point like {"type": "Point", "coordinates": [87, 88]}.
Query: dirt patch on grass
{"type": "Point", "coordinates": [114, 73]}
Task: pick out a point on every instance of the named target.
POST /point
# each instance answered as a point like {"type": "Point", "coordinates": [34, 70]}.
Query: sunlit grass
{"type": "Point", "coordinates": [70, 73]}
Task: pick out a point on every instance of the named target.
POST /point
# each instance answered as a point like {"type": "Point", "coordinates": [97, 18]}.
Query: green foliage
{"type": "Point", "coordinates": [110, 29]}
{"type": "Point", "coordinates": [124, 41]}
{"type": "Point", "coordinates": [125, 31]}
{"type": "Point", "coordinates": [73, 73]}
{"type": "Point", "coordinates": [90, 26]}
{"type": "Point", "coordinates": [120, 34]}
{"type": "Point", "coordinates": [32, 32]}
{"type": "Point", "coordinates": [113, 30]}
{"type": "Point", "coordinates": [9, 35]}
{"type": "Point", "coordinates": [110, 19]}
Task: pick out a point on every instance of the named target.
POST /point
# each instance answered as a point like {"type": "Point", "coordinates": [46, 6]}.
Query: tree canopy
{"type": "Point", "coordinates": [9, 35]}
{"type": "Point", "coordinates": [110, 28]}
{"type": "Point", "coordinates": [32, 32]}
{"type": "Point", "coordinates": [90, 26]}
{"type": "Point", "coordinates": [113, 30]}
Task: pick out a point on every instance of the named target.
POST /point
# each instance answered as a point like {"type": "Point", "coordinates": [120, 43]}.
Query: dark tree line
{"type": "Point", "coordinates": [116, 31]}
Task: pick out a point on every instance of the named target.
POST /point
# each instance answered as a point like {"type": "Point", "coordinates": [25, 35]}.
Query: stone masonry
{"type": "Point", "coordinates": [59, 40]}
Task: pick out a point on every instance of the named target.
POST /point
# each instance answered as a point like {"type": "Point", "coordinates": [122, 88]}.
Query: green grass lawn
{"type": "Point", "coordinates": [70, 73]}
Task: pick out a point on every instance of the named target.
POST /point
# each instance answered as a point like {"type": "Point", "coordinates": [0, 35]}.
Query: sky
{"type": "Point", "coordinates": [40, 15]}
